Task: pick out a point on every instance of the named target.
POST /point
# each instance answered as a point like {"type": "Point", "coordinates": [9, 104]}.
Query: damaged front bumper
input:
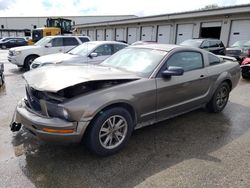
{"type": "Point", "coordinates": [47, 128]}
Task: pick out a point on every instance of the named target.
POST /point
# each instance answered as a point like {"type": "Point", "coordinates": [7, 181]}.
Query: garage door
{"type": "Point", "coordinates": [91, 34]}
{"type": "Point", "coordinates": [99, 34]}
{"type": "Point", "coordinates": [120, 35]}
{"type": "Point", "coordinates": [83, 32]}
{"type": "Point", "coordinates": [147, 33]}
{"type": "Point", "coordinates": [109, 34]}
{"type": "Point", "coordinates": [240, 30]}
{"type": "Point", "coordinates": [133, 35]}
{"type": "Point", "coordinates": [163, 34]}
{"type": "Point", "coordinates": [184, 32]}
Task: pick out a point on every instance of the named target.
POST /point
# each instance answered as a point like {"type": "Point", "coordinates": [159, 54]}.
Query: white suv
{"type": "Point", "coordinates": [25, 55]}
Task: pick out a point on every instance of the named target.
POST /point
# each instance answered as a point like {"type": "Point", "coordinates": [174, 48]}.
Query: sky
{"type": "Point", "coordinates": [104, 7]}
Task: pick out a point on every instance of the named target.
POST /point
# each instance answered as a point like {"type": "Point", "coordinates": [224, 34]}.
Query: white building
{"type": "Point", "coordinates": [227, 23]}
{"type": "Point", "coordinates": [15, 26]}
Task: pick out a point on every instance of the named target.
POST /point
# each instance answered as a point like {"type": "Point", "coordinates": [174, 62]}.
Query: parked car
{"type": "Point", "coordinates": [1, 74]}
{"type": "Point", "coordinates": [245, 68]}
{"type": "Point", "coordinates": [239, 50]}
{"type": "Point", "coordinates": [212, 45]}
{"type": "Point", "coordinates": [24, 56]}
{"type": "Point", "coordinates": [12, 42]}
{"type": "Point", "coordinates": [136, 87]}
{"type": "Point", "coordinates": [93, 52]}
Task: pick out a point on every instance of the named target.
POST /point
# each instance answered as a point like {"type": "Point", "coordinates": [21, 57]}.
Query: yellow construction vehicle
{"type": "Point", "coordinates": [54, 26]}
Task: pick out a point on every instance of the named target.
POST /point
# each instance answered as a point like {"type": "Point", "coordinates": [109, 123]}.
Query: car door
{"type": "Point", "coordinates": [178, 94]}
{"type": "Point", "coordinates": [103, 52]}
{"type": "Point", "coordinates": [10, 43]}
{"type": "Point", "coordinates": [55, 45]}
{"type": "Point", "coordinates": [69, 43]}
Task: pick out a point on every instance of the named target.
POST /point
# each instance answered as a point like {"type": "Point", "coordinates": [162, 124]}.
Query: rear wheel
{"type": "Point", "coordinates": [1, 79]}
{"type": "Point", "coordinates": [28, 61]}
{"type": "Point", "coordinates": [219, 99]}
{"type": "Point", "coordinates": [110, 131]}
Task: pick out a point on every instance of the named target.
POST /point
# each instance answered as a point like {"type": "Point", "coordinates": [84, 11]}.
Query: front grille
{"type": "Point", "coordinates": [234, 52]}
{"type": "Point", "coordinates": [11, 53]}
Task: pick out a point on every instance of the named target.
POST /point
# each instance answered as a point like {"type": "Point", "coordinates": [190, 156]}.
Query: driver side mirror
{"type": "Point", "coordinates": [172, 71]}
{"type": "Point", "coordinates": [49, 45]}
{"type": "Point", "coordinates": [93, 54]}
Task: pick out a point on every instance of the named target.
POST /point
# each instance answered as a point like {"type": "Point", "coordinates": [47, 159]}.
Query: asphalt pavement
{"type": "Point", "coordinates": [198, 149]}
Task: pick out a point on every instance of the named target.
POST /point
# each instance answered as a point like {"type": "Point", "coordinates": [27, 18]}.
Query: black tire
{"type": "Point", "coordinates": [28, 61]}
{"type": "Point", "coordinates": [95, 140]}
{"type": "Point", "coordinates": [1, 79]}
{"type": "Point", "coordinates": [219, 99]}
{"type": "Point", "coordinates": [245, 77]}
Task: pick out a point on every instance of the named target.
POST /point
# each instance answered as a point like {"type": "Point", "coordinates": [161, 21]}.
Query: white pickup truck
{"type": "Point", "coordinates": [25, 55]}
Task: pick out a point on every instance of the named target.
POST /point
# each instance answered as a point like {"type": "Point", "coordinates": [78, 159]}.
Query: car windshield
{"type": "Point", "coordinates": [82, 49]}
{"type": "Point", "coordinates": [43, 41]}
{"type": "Point", "coordinates": [193, 43]}
{"type": "Point", "coordinates": [239, 43]}
{"type": "Point", "coordinates": [141, 61]}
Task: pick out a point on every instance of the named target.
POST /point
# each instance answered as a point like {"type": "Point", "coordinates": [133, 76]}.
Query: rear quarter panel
{"type": "Point", "coordinates": [225, 71]}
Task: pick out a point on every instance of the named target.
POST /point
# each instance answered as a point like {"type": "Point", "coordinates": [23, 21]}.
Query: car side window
{"type": "Point", "coordinates": [70, 41]}
{"type": "Point", "coordinates": [118, 47]}
{"type": "Point", "coordinates": [56, 42]}
{"type": "Point", "coordinates": [187, 60]}
{"type": "Point", "coordinates": [105, 49]}
{"type": "Point", "coordinates": [12, 41]}
{"type": "Point", "coordinates": [213, 60]}
{"type": "Point", "coordinates": [84, 39]}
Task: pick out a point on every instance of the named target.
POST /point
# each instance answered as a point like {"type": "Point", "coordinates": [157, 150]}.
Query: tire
{"type": "Point", "coordinates": [219, 99]}
{"type": "Point", "coordinates": [28, 61]}
{"type": "Point", "coordinates": [245, 76]}
{"type": "Point", "coordinates": [1, 79]}
{"type": "Point", "coordinates": [109, 131]}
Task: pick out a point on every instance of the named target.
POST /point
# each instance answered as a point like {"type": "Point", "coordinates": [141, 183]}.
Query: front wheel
{"type": "Point", "coordinates": [1, 79]}
{"type": "Point", "coordinates": [110, 131]}
{"type": "Point", "coordinates": [28, 61]}
{"type": "Point", "coordinates": [219, 99]}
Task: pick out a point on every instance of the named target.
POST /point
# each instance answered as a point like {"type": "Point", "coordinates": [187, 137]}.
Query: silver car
{"type": "Point", "coordinates": [138, 86]}
{"type": "Point", "coordinates": [93, 52]}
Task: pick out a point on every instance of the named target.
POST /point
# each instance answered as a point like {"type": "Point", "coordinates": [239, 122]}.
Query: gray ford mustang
{"type": "Point", "coordinates": [136, 87]}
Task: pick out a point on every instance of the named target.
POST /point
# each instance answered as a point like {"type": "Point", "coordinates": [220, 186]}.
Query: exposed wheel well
{"type": "Point", "coordinates": [229, 83]}
{"type": "Point", "coordinates": [127, 106]}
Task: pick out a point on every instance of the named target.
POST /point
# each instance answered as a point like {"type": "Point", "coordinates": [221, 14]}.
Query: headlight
{"type": "Point", "coordinates": [59, 111]}
{"type": "Point", "coordinates": [16, 53]}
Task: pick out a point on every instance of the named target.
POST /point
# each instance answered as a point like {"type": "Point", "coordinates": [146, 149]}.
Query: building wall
{"type": "Point", "coordinates": [225, 20]}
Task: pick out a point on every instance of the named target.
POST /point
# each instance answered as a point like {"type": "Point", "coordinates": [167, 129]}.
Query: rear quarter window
{"type": "Point", "coordinates": [70, 41]}
{"type": "Point", "coordinates": [213, 60]}
{"type": "Point", "coordinates": [84, 39]}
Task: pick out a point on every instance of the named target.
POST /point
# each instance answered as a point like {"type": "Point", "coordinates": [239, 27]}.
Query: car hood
{"type": "Point", "coordinates": [59, 58]}
{"type": "Point", "coordinates": [21, 48]}
{"type": "Point", "coordinates": [54, 78]}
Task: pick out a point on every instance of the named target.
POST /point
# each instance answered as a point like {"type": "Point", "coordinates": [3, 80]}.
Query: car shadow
{"type": "Point", "coordinates": [150, 150]}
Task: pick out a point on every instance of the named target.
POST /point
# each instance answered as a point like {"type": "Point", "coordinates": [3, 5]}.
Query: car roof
{"type": "Point", "coordinates": [57, 36]}
{"type": "Point", "coordinates": [162, 47]}
{"type": "Point", "coordinates": [106, 42]}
